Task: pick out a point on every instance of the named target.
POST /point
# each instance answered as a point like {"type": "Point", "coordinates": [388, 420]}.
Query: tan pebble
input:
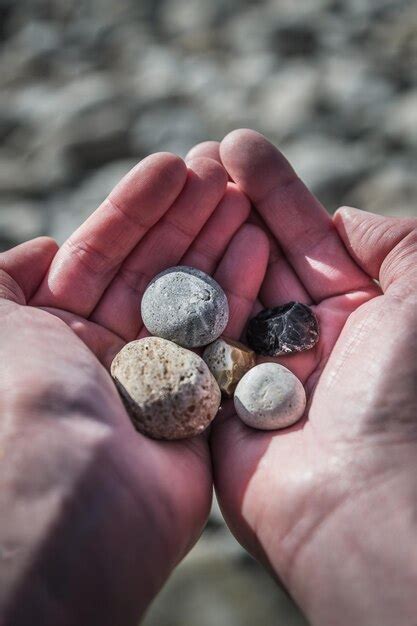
{"type": "Point", "coordinates": [228, 361]}
{"type": "Point", "coordinates": [168, 391]}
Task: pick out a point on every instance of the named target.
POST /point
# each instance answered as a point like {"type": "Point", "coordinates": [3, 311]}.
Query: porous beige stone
{"type": "Point", "coordinates": [168, 391]}
{"type": "Point", "coordinates": [228, 361]}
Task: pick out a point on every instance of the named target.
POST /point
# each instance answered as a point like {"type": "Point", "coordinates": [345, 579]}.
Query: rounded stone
{"type": "Point", "coordinates": [228, 361]}
{"type": "Point", "coordinates": [269, 397]}
{"type": "Point", "coordinates": [185, 305]}
{"type": "Point", "coordinates": [168, 391]}
{"type": "Point", "coordinates": [292, 327]}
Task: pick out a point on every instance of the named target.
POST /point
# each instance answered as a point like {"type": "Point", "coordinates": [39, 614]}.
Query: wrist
{"type": "Point", "coordinates": [75, 525]}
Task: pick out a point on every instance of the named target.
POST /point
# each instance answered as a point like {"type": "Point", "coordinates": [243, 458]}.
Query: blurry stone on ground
{"type": "Point", "coordinates": [69, 208]}
{"type": "Point", "coordinates": [218, 584]}
{"type": "Point", "coordinates": [96, 84]}
{"type": "Point", "coordinates": [330, 167]}
{"type": "Point", "coordinates": [20, 220]}
{"type": "Point", "coordinates": [390, 191]}
{"type": "Point", "coordinates": [400, 122]}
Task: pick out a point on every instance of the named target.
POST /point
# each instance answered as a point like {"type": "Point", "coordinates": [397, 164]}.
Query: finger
{"type": "Point", "coordinates": [181, 508]}
{"type": "Point", "coordinates": [208, 149]}
{"type": "Point", "coordinates": [281, 283]}
{"type": "Point", "coordinates": [385, 247]}
{"type": "Point", "coordinates": [104, 344]}
{"type": "Point", "coordinates": [88, 260]}
{"type": "Point", "coordinates": [240, 273]}
{"type": "Point", "coordinates": [163, 246]}
{"type": "Point", "coordinates": [26, 265]}
{"type": "Point", "coordinates": [301, 225]}
{"type": "Point", "coordinates": [210, 245]}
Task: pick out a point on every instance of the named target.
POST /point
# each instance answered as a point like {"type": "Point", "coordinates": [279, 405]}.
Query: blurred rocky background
{"type": "Point", "coordinates": [89, 87]}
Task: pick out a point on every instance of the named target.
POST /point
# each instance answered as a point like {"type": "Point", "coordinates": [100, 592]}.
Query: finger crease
{"type": "Point", "coordinates": [137, 223]}
{"type": "Point", "coordinates": [188, 233]}
{"type": "Point", "coordinates": [241, 297]}
{"type": "Point", "coordinates": [205, 254]}
{"type": "Point", "coordinates": [315, 240]}
{"type": "Point", "coordinates": [370, 288]}
{"type": "Point", "coordinates": [94, 260]}
{"type": "Point", "coordinates": [280, 188]}
{"type": "Point", "coordinates": [135, 280]}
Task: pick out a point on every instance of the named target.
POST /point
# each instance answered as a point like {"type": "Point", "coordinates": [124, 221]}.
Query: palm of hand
{"type": "Point", "coordinates": [289, 495]}
{"type": "Point", "coordinates": [276, 489]}
{"type": "Point", "coordinates": [161, 214]}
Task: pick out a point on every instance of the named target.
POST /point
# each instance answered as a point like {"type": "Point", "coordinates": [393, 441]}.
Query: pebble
{"type": "Point", "coordinates": [186, 306]}
{"type": "Point", "coordinates": [168, 391]}
{"type": "Point", "coordinates": [228, 361]}
{"type": "Point", "coordinates": [269, 397]}
{"type": "Point", "coordinates": [292, 327]}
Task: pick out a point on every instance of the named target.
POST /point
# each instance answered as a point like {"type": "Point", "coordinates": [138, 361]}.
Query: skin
{"type": "Point", "coordinates": [321, 502]}
{"type": "Point", "coordinates": [332, 490]}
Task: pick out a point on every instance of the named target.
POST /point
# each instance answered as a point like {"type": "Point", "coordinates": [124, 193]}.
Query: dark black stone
{"type": "Point", "coordinates": [292, 327]}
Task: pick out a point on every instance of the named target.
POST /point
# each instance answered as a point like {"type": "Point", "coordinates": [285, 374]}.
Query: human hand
{"type": "Point", "coordinates": [329, 504]}
{"type": "Point", "coordinates": [115, 509]}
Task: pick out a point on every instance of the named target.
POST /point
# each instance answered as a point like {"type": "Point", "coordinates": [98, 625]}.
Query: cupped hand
{"type": "Point", "coordinates": [330, 504]}
{"type": "Point", "coordinates": [86, 480]}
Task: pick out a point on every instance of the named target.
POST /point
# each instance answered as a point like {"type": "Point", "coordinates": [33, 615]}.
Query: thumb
{"type": "Point", "coordinates": [384, 247]}
{"type": "Point", "coordinates": [22, 268]}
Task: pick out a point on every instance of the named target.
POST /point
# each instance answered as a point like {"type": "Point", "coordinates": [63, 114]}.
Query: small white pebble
{"type": "Point", "coordinates": [269, 397]}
